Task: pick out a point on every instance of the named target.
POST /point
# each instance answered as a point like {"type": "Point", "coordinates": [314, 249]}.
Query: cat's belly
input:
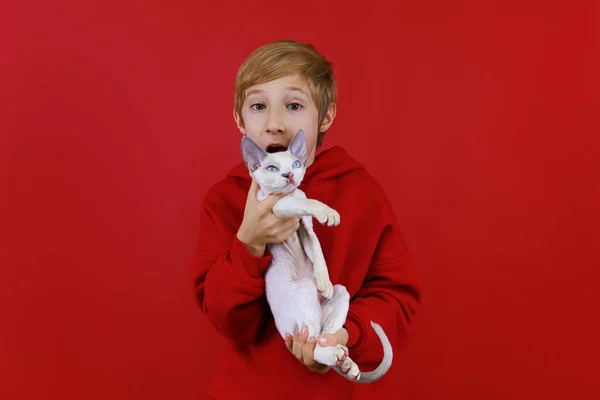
{"type": "Point", "coordinates": [298, 263]}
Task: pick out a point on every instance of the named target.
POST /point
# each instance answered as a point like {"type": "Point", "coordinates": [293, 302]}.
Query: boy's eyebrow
{"type": "Point", "coordinates": [293, 88]}
{"type": "Point", "coordinates": [255, 91]}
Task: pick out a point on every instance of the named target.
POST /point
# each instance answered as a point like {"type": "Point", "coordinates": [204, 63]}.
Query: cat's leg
{"type": "Point", "coordinates": [297, 205]}
{"type": "Point", "coordinates": [303, 234]}
{"type": "Point", "coordinates": [334, 315]}
{"type": "Point", "coordinates": [335, 312]}
{"type": "Point", "coordinates": [291, 206]}
{"type": "Point", "coordinates": [300, 307]}
{"type": "Point", "coordinates": [292, 301]}
{"type": "Point", "coordinates": [314, 252]}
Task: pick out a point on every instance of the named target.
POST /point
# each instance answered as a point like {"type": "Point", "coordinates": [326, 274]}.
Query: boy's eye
{"type": "Point", "coordinates": [272, 168]}
{"type": "Point", "coordinates": [257, 106]}
{"type": "Point", "coordinates": [294, 106]}
{"type": "Point", "coordinates": [296, 164]}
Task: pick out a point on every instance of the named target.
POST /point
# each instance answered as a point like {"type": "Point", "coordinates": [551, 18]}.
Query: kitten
{"type": "Point", "coordinates": [297, 283]}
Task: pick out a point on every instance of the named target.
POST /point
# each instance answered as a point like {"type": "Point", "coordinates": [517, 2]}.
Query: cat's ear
{"type": "Point", "coordinates": [298, 146]}
{"type": "Point", "coordinates": [252, 154]}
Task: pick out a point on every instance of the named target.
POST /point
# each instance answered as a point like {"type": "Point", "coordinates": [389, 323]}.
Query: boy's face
{"type": "Point", "coordinates": [274, 111]}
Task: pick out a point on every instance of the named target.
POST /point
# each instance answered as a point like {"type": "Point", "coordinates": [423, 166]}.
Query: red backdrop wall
{"type": "Point", "coordinates": [478, 118]}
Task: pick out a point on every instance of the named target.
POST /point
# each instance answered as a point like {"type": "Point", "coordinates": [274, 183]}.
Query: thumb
{"type": "Point", "coordinates": [327, 340]}
{"type": "Point", "coordinates": [277, 196]}
{"type": "Point", "coordinates": [253, 189]}
{"type": "Point", "coordinates": [273, 198]}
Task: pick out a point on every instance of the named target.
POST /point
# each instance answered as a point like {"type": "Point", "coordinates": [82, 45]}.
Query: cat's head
{"type": "Point", "coordinates": [277, 172]}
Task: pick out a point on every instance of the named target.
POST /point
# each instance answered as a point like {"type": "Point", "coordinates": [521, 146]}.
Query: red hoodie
{"type": "Point", "coordinates": [366, 253]}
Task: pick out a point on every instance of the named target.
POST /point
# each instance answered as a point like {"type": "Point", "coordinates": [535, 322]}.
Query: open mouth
{"type": "Point", "coordinates": [276, 148]}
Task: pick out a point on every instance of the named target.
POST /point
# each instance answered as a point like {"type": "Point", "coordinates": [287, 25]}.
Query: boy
{"type": "Point", "coordinates": [280, 88]}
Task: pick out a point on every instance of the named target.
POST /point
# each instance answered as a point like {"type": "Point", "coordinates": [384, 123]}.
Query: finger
{"type": "Point", "coordinates": [274, 221]}
{"type": "Point", "coordinates": [327, 340]}
{"type": "Point", "coordinates": [289, 340]}
{"type": "Point", "coordinates": [320, 368]}
{"type": "Point", "coordinates": [308, 351]}
{"type": "Point", "coordinates": [252, 192]}
{"type": "Point", "coordinates": [281, 237]}
{"type": "Point", "coordinates": [299, 341]}
{"type": "Point", "coordinates": [272, 199]}
{"type": "Point", "coordinates": [295, 227]}
{"type": "Point", "coordinates": [276, 225]}
{"type": "Point", "coordinates": [281, 225]}
{"type": "Point", "coordinates": [290, 223]}
{"type": "Point", "coordinates": [267, 204]}
{"type": "Point", "coordinates": [253, 188]}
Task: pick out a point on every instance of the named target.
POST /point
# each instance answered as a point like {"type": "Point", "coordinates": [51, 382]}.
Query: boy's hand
{"type": "Point", "coordinates": [260, 226]}
{"type": "Point", "coordinates": [303, 350]}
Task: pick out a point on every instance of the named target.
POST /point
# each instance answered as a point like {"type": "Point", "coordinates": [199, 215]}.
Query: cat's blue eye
{"type": "Point", "coordinates": [296, 164]}
{"type": "Point", "coordinates": [272, 168]}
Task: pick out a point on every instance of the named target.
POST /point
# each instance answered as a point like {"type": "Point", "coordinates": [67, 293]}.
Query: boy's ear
{"type": "Point", "coordinates": [239, 121]}
{"type": "Point", "coordinates": [252, 154]}
{"type": "Point", "coordinates": [328, 118]}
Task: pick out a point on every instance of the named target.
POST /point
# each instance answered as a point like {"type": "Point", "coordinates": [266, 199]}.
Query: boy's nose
{"type": "Point", "coordinates": [275, 123]}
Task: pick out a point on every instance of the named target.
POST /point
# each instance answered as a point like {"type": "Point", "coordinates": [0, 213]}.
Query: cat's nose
{"type": "Point", "coordinates": [287, 175]}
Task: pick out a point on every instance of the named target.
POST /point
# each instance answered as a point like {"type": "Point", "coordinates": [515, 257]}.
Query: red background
{"type": "Point", "coordinates": [477, 117]}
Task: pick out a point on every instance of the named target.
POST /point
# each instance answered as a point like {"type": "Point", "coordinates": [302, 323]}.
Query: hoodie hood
{"type": "Point", "coordinates": [329, 164]}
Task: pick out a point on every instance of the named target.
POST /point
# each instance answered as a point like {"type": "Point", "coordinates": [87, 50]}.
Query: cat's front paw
{"type": "Point", "coordinates": [323, 283]}
{"type": "Point", "coordinates": [327, 215]}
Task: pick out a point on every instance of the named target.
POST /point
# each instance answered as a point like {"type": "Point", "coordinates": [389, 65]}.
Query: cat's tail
{"type": "Point", "coordinates": [383, 367]}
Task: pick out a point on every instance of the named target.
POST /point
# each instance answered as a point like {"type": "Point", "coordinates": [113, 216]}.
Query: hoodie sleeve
{"type": "Point", "coordinates": [228, 280]}
{"type": "Point", "coordinates": [389, 296]}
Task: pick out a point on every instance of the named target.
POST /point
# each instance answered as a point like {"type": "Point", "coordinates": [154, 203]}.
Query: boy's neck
{"type": "Point", "coordinates": [311, 157]}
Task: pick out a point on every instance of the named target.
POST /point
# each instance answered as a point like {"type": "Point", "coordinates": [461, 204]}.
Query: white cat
{"type": "Point", "coordinates": [297, 282]}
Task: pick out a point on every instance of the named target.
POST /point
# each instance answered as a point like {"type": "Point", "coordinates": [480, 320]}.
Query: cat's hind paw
{"type": "Point", "coordinates": [350, 368]}
{"type": "Point", "coordinates": [331, 355]}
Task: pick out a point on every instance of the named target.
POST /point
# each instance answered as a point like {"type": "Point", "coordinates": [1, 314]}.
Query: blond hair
{"type": "Point", "coordinates": [287, 57]}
